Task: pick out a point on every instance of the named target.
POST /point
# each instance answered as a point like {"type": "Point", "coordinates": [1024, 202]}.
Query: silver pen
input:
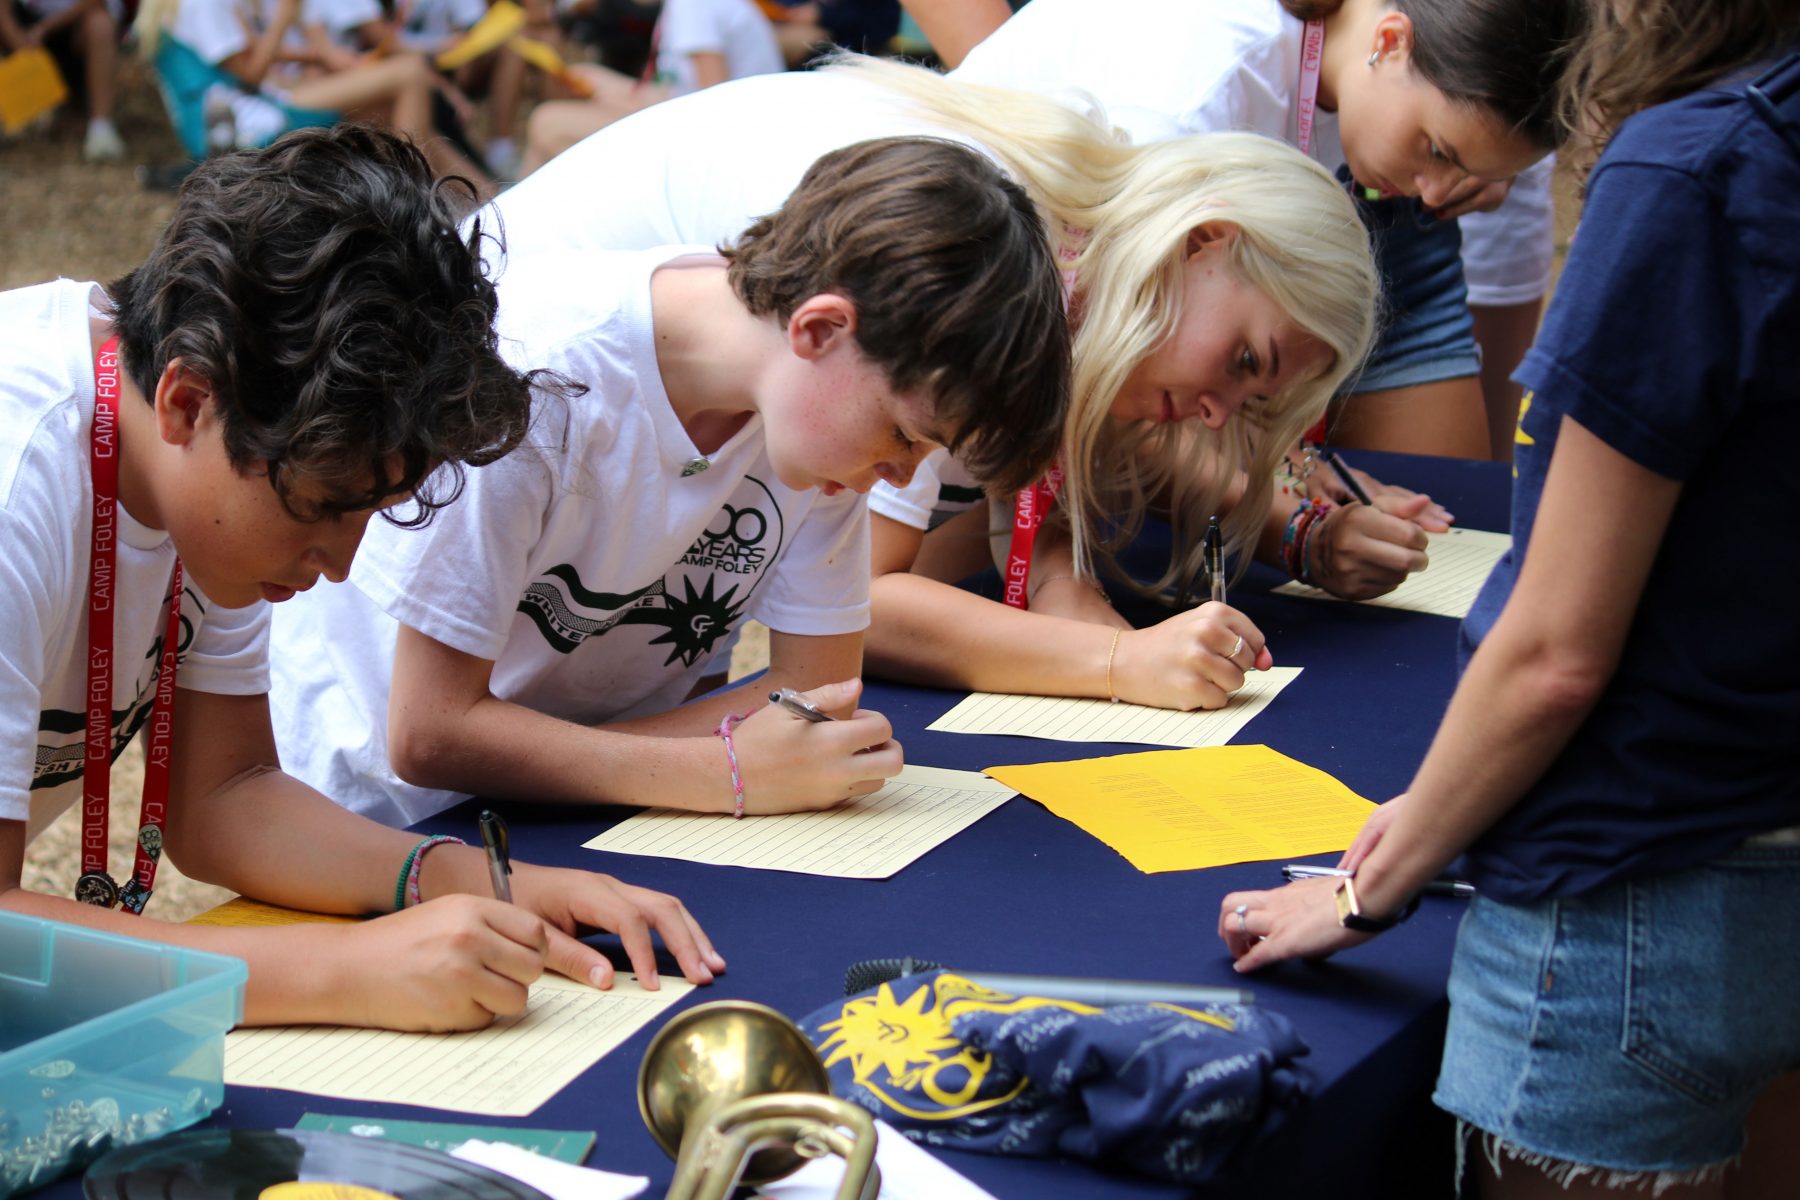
{"type": "Point", "coordinates": [789, 699]}
{"type": "Point", "coordinates": [495, 841]}
{"type": "Point", "coordinates": [1459, 888]}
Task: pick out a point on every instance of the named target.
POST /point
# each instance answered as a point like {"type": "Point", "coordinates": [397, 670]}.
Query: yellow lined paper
{"type": "Point", "coordinates": [506, 1070]}
{"type": "Point", "coordinates": [1181, 810]}
{"type": "Point", "coordinates": [1461, 561]}
{"type": "Point", "coordinates": [1063, 719]}
{"type": "Point", "coordinates": [870, 837]}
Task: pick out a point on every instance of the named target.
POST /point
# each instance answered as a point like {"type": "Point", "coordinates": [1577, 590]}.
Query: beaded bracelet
{"type": "Point", "coordinates": [1306, 548]}
{"type": "Point", "coordinates": [1294, 537]}
{"type": "Point", "coordinates": [723, 732]}
{"type": "Point", "coordinates": [416, 860]}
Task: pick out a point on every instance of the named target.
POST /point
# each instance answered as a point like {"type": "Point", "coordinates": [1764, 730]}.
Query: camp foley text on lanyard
{"type": "Point", "coordinates": [96, 886]}
{"type": "Point", "coordinates": [1030, 509]}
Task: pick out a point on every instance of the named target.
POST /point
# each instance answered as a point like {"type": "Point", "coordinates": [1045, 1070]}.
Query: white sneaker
{"type": "Point", "coordinates": [502, 156]}
{"type": "Point", "coordinates": [103, 145]}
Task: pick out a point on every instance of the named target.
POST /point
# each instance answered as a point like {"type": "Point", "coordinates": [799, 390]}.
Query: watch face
{"type": "Point", "coordinates": [1346, 909]}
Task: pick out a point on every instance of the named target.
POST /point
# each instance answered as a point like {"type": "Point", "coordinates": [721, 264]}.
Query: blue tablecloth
{"type": "Point", "coordinates": [1023, 890]}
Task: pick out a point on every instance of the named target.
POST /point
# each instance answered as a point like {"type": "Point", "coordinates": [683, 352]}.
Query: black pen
{"type": "Point", "coordinates": [1337, 464]}
{"type": "Point", "coordinates": [1459, 888]}
{"type": "Point", "coordinates": [493, 840]}
{"type": "Point", "coordinates": [789, 699]}
{"type": "Point", "coordinates": [1215, 559]}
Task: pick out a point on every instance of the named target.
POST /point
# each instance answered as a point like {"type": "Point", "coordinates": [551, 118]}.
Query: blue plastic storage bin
{"type": "Point", "coordinates": [104, 1041]}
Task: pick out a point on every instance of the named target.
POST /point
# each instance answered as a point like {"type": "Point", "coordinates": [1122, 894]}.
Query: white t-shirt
{"type": "Point", "coordinates": [1205, 65]}
{"type": "Point", "coordinates": [593, 572]}
{"type": "Point", "coordinates": [1168, 67]}
{"type": "Point", "coordinates": [213, 30]}
{"type": "Point", "coordinates": [1507, 253]}
{"type": "Point", "coordinates": [698, 170]}
{"type": "Point", "coordinates": [46, 521]}
{"type": "Point", "coordinates": [735, 29]}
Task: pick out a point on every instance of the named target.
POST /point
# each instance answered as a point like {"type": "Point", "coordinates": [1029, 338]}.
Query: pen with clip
{"type": "Point", "coordinates": [1461, 889]}
{"type": "Point", "coordinates": [494, 841]}
{"type": "Point", "coordinates": [1343, 473]}
{"type": "Point", "coordinates": [1215, 559]}
{"type": "Point", "coordinates": [789, 699]}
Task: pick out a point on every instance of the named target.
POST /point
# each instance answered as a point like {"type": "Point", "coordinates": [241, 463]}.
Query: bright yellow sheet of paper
{"type": "Point", "coordinates": [1181, 810]}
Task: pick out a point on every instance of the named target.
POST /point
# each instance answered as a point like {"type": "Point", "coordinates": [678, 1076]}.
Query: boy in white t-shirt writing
{"type": "Point", "coordinates": [542, 639]}
{"type": "Point", "coordinates": [310, 342]}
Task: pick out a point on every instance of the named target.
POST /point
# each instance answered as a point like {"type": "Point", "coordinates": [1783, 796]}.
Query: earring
{"type": "Point", "coordinates": [1374, 58]}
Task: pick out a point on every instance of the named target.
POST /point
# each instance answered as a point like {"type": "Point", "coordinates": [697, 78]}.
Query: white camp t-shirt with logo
{"type": "Point", "coordinates": [594, 571]}
{"type": "Point", "coordinates": [699, 170]}
{"type": "Point", "coordinates": [46, 523]}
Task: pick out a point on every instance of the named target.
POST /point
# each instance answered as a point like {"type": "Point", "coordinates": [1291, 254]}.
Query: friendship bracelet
{"type": "Point", "coordinates": [729, 723]}
{"type": "Point", "coordinates": [417, 860]}
{"type": "Point", "coordinates": [1109, 662]}
{"type": "Point", "coordinates": [1295, 535]}
{"type": "Point", "coordinates": [405, 873]}
{"type": "Point", "coordinates": [1306, 548]}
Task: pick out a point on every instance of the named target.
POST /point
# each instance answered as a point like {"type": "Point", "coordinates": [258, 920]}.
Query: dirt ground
{"type": "Point", "coordinates": [68, 218]}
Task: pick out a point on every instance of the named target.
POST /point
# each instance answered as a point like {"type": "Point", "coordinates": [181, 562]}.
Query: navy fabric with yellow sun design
{"type": "Point", "coordinates": [1164, 1090]}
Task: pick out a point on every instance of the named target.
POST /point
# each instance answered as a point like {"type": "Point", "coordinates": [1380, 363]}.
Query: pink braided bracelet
{"type": "Point", "coordinates": [729, 723]}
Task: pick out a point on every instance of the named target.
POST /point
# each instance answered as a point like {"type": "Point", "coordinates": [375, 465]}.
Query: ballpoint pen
{"type": "Point", "coordinates": [1215, 559]}
{"type": "Point", "coordinates": [1343, 473]}
{"type": "Point", "coordinates": [789, 699]}
{"type": "Point", "coordinates": [1459, 888]}
{"type": "Point", "coordinates": [493, 840]}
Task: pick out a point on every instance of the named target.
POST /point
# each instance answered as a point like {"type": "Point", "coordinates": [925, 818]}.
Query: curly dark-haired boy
{"type": "Point", "coordinates": [310, 342]}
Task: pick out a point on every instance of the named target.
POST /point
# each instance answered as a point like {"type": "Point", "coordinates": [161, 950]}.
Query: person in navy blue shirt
{"type": "Point", "coordinates": [1621, 761]}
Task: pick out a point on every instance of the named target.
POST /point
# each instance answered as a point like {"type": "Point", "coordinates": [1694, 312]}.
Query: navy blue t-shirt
{"type": "Point", "coordinates": [1674, 337]}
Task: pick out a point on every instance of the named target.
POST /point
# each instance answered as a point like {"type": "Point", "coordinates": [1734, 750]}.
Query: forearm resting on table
{"type": "Point", "coordinates": [293, 975]}
{"type": "Point", "coordinates": [937, 634]}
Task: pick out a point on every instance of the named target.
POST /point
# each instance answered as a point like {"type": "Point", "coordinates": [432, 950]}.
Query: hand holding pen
{"type": "Point", "coordinates": [1441, 886]}
{"type": "Point", "coordinates": [795, 755]}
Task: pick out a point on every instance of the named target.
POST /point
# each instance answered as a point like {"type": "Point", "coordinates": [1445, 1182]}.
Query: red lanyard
{"type": "Point", "coordinates": [1312, 58]}
{"type": "Point", "coordinates": [1030, 509]}
{"type": "Point", "coordinates": [95, 886]}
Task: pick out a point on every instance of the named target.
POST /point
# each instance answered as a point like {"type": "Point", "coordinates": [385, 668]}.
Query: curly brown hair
{"type": "Point", "coordinates": [345, 325]}
{"type": "Point", "coordinates": [1644, 52]}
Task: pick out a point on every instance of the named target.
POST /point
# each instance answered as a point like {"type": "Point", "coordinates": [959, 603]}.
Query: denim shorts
{"type": "Point", "coordinates": [1630, 1029]}
{"type": "Point", "coordinates": [1427, 334]}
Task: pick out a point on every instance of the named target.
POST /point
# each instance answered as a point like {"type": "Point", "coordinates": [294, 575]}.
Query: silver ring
{"type": "Point", "coordinates": [1243, 916]}
{"type": "Point", "coordinates": [1237, 646]}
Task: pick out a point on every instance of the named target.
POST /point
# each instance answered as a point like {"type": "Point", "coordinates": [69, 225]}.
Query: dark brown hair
{"type": "Point", "coordinates": [345, 325]}
{"type": "Point", "coordinates": [1644, 53]}
{"type": "Point", "coordinates": [955, 287]}
{"type": "Point", "coordinates": [1502, 55]}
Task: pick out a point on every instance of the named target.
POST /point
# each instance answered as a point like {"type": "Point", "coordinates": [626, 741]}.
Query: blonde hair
{"type": "Point", "coordinates": [153, 19]}
{"type": "Point", "coordinates": [1124, 215]}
